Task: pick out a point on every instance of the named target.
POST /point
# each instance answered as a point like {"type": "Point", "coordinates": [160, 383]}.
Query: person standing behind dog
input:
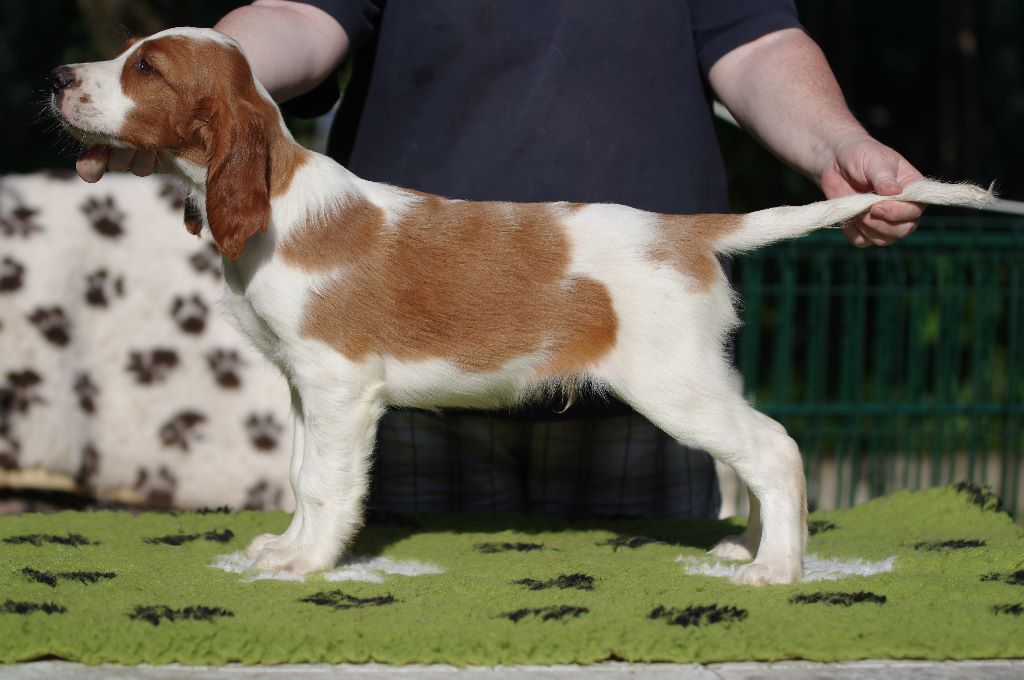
{"type": "Point", "coordinates": [548, 100]}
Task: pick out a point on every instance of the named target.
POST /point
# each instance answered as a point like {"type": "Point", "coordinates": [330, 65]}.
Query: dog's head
{"type": "Point", "coordinates": [188, 93]}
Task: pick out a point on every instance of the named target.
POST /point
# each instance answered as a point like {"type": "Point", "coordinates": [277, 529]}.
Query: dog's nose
{"type": "Point", "coordinates": [61, 78]}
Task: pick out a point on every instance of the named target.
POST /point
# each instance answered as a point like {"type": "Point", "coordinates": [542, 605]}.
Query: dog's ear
{"type": "Point", "coordinates": [193, 218]}
{"type": "Point", "coordinates": [237, 179]}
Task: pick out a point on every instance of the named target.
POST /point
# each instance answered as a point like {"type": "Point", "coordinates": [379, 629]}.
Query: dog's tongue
{"type": "Point", "coordinates": [92, 163]}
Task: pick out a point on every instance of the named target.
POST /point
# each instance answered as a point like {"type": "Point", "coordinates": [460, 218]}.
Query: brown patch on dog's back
{"type": "Point", "coordinates": [475, 283]}
{"type": "Point", "coordinates": [686, 242]}
{"type": "Point", "coordinates": [335, 237]}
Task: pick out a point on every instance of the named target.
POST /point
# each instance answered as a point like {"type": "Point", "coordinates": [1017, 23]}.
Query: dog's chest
{"type": "Point", "coordinates": [260, 308]}
{"type": "Point", "coordinates": [251, 325]}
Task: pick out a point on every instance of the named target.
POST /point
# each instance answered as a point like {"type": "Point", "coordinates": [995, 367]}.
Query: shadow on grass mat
{"type": "Point", "coordinates": [111, 587]}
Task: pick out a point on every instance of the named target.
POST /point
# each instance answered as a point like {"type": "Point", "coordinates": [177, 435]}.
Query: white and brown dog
{"type": "Point", "coordinates": [367, 295]}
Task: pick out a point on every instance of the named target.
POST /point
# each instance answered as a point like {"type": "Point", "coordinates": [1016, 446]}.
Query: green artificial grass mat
{"type": "Point", "coordinates": [112, 587]}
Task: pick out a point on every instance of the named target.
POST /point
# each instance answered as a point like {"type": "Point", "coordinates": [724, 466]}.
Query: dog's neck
{"type": "Point", "coordinates": [192, 175]}
{"type": "Point", "coordinates": [284, 155]}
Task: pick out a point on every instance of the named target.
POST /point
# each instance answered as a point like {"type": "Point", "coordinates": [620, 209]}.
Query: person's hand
{"type": "Point", "coordinates": [864, 165]}
{"type": "Point", "coordinates": [97, 160]}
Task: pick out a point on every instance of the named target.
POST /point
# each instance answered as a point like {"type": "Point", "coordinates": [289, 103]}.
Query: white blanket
{"type": "Point", "coordinates": [118, 376]}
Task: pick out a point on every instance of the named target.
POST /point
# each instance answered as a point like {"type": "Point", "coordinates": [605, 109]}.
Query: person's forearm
{"type": "Point", "coordinates": [781, 90]}
{"type": "Point", "coordinates": [291, 46]}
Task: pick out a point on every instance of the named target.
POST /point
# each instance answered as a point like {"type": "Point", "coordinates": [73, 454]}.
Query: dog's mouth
{"type": "Point", "coordinates": [75, 128]}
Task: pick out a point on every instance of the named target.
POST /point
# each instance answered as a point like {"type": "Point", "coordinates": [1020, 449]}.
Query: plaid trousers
{"type": "Point", "coordinates": [620, 465]}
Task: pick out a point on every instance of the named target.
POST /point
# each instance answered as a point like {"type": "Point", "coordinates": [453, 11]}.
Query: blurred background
{"type": "Point", "coordinates": [897, 367]}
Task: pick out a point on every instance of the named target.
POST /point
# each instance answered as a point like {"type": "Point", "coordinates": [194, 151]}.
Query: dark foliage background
{"type": "Point", "coordinates": [939, 80]}
{"type": "Point", "coordinates": [40, 34]}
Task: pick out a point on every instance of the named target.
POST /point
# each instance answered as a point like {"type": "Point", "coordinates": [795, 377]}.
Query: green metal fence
{"type": "Point", "coordinates": [898, 367]}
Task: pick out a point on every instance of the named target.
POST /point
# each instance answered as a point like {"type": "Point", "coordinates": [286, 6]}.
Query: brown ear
{"type": "Point", "coordinates": [237, 180]}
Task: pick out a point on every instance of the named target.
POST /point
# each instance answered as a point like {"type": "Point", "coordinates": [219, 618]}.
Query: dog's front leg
{"type": "Point", "coordinates": [278, 541]}
{"type": "Point", "coordinates": [330, 479]}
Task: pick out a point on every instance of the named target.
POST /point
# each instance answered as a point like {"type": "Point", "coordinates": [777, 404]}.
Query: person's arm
{"type": "Point", "coordinates": [291, 46]}
{"type": "Point", "coordinates": [780, 88]}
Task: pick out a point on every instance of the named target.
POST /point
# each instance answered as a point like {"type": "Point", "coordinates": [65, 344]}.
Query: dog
{"type": "Point", "coordinates": [367, 295]}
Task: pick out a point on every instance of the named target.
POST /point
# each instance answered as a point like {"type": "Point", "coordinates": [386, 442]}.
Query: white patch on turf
{"type": "Point", "coordinates": [373, 569]}
{"type": "Point", "coordinates": [815, 568]}
{"type": "Point", "coordinates": [238, 563]}
{"type": "Point", "coordinates": [355, 568]}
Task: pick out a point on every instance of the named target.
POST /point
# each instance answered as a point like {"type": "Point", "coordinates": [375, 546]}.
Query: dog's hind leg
{"type": "Point", "coordinates": [742, 546]}
{"type": "Point", "coordinates": [707, 412]}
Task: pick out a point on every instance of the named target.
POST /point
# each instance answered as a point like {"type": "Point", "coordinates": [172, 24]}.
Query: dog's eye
{"type": "Point", "coordinates": [145, 66]}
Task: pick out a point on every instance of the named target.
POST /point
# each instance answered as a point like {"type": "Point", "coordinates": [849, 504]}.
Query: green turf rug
{"type": "Point", "coordinates": [936, 574]}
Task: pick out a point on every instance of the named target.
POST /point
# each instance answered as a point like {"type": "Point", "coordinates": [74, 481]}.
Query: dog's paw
{"type": "Point", "coordinates": [768, 573]}
{"type": "Point", "coordinates": [262, 541]}
{"type": "Point", "coordinates": [733, 547]}
{"type": "Point", "coordinates": [291, 559]}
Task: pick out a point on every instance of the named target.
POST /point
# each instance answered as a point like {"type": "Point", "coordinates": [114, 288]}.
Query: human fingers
{"type": "Point", "coordinates": [143, 163]}
{"type": "Point", "coordinates": [855, 236]}
{"type": "Point", "coordinates": [120, 160]}
{"type": "Point", "coordinates": [882, 236]}
{"type": "Point", "coordinates": [888, 174]}
{"type": "Point", "coordinates": [890, 220]}
{"type": "Point", "coordinates": [92, 163]}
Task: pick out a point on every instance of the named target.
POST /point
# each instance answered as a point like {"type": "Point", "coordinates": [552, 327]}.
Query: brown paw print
{"type": "Point", "coordinates": [19, 222]}
{"type": "Point", "coordinates": [263, 496]}
{"type": "Point", "coordinates": [10, 449]}
{"type": "Point", "coordinates": [101, 287]}
{"type": "Point", "coordinates": [87, 391]}
{"type": "Point", "coordinates": [156, 491]}
{"type": "Point", "coordinates": [264, 432]}
{"type": "Point", "coordinates": [105, 216]}
{"type": "Point", "coordinates": [88, 468]}
{"type": "Point", "coordinates": [190, 313]}
{"type": "Point", "coordinates": [225, 365]}
{"type": "Point", "coordinates": [20, 391]}
{"type": "Point", "coordinates": [208, 260]}
{"type": "Point", "coordinates": [152, 366]}
{"type": "Point", "coordinates": [172, 192]}
{"type": "Point", "coordinates": [182, 431]}
{"type": "Point", "coordinates": [52, 323]}
{"type": "Point", "coordinates": [17, 394]}
{"type": "Point", "coordinates": [12, 275]}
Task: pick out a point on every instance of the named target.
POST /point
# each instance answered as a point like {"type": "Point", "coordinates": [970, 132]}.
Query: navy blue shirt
{"type": "Point", "coordinates": [543, 100]}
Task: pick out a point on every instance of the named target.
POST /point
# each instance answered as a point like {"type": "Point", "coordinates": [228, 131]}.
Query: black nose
{"type": "Point", "coordinates": [61, 77]}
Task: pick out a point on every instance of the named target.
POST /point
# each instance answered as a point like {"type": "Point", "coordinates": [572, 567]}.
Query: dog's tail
{"type": "Point", "coordinates": [776, 224]}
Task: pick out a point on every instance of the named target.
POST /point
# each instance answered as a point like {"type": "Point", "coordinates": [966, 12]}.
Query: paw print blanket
{"type": "Point", "coordinates": [117, 376]}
